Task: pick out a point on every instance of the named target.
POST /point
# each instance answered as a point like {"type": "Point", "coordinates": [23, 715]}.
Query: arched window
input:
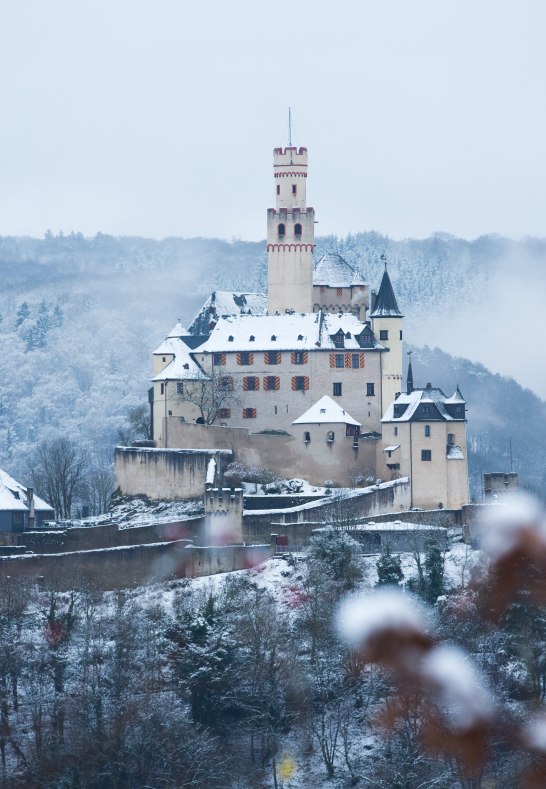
{"type": "Point", "coordinates": [297, 230]}
{"type": "Point", "coordinates": [281, 230]}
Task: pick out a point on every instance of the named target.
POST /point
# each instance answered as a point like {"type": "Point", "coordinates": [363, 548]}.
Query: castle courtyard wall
{"type": "Point", "coordinates": [288, 455]}
{"type": "Point", "coordinates": [166, 473]}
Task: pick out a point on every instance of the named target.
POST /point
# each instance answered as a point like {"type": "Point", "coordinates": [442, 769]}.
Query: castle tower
{"type": "Point", "coordinates": [290, 235]}
{"type": "Point", "coordinates": [387, 323]}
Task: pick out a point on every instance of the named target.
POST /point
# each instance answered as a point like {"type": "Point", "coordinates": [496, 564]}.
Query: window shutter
{"type": "Point", "coordinates": [305, 357]}
{"type": "Point", "coordinates": [362, 360]}
{"type": "Point", "coordinates": [348, 360]}
{"type": "Point", "coordinates": [293, 358]}
{"type": "Point", "coordinates": [294, 383]}
{"type": "Point", "coordinates": [332, 360]}
{"type": "Point", "coordinates": [245, 384]}
{"type": "Point", "coordinates": [239, 358]}
{"type": "Point", "coordinates": [277, 383]}
{"type": "Point", "coordinates": [306, 382]}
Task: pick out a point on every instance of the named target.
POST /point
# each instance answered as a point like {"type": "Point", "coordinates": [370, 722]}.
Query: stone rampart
{"type": "Point", "coordinates": [170, 474]}
{"type": "Point", "coordinates": [339, 510]}
{"type": "Point", "coordinates": [87, 538]}
{"type": "Point", "coordinates": [131, 566]}
{"type": "Point", "coordinates": [288, 455]}
{"type": "Point", "coordinates": [447, 519]}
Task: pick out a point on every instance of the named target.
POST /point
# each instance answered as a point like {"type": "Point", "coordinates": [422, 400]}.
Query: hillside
{"type": "Point", "coordinates": [77, 357]}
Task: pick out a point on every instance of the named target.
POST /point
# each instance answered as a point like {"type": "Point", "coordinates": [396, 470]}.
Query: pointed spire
{"type": "Point", "coordinates": [385, 303]}
{"type": "Point", "coordinates": [409, 379]}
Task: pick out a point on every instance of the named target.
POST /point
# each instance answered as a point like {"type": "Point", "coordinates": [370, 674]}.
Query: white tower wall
{"type": "Point", "coordinates": [290, 235]}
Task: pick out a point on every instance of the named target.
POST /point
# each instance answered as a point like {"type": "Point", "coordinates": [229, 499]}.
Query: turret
{"type": "Point", "coordinates": [387, 322]}
{"type": "Point", "coordinates": [290, 235]}
{"type": "Point", "coordinates": [409, 378]}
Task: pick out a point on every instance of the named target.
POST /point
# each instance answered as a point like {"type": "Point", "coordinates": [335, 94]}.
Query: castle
{"type": "Point", "coordinates": [308, 380]}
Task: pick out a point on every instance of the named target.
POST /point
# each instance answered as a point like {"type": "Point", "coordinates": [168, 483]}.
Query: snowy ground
{"type": "Point", "coordinates": [139, 512]}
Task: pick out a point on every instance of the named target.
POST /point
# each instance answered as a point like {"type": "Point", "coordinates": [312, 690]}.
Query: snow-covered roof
{"type": "Point", "coordinates": [392, 448]}
{"type": "Point", "coordinates": [456, 397]}
{"type": "Point", "coordinates": [334, 272]}
{"type": "Point", "coordinates": [178, 331]}
{"type": "Point", "coordinates": [183, 366]}
{"type": "Point", "coordinates": [296, 331]}
{"type": "Point", "coordinates": [325, 411]}
{"type": "Point", "coordinates": [13, 495]}
{"type": "Point", "coordinates": [225, 302]}
{"type": "Point", "coordinates": [406, 405]}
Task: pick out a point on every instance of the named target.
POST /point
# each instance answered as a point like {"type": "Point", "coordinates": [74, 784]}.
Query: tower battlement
{"type": "Point", "coordinates": [289, 155]}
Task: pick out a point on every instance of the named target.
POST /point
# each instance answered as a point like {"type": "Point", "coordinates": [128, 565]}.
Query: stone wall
{"type": "Point", "coordinates": [368, 502]}
{"type": "Point", "coordinates": [398, 539]}
{"type": "Point", "coordinates": [86, 538]}
{"type": "Point", "coordinates": [447, 519]}
{"type": "Point", "coordinates": [278, 501]}
{"type": "Point", "coordinates": [472, 514]}
{"type": "Point", "coordinates": [288, 455]}
{"type": "Point", "coordinates": [126, 567]}
{"type": "Point", "coordinates": [170, 474]}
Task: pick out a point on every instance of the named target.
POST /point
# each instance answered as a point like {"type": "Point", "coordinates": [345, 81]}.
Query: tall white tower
{"type": "Point", "coordinates": [290, 235]}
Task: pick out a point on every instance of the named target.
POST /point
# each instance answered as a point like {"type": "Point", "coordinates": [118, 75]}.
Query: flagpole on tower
{"type": "Point", "coordinates": [289, 127]}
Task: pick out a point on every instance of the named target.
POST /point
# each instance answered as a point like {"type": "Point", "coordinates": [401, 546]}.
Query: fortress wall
{"type": "Point", "coordinates": [287, 455]}
{"type": "Point", "coordinates": [131, 566]}
{"type": "Point", "coordinates": [170, 474]}
{"type": "Point", "coordinates": [86, 538]}
{"type": "Point", "coordinates": [366, 503]}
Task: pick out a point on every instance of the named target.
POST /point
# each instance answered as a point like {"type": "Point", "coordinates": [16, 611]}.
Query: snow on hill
{"type": "Point", "coordinates": [80, 317]}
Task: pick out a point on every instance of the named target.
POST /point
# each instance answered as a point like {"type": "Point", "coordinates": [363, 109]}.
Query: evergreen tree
{"type": "Point", "coordinates": [22, 314]}
{"type": "Point", "coordinates": [434, 571]}
{"type": "Point", "coordinates": [389, 569]}
{"type": "Point", "coordinates": [337, 555]}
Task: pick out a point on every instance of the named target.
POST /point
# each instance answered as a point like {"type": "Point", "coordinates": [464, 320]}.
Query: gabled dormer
{"type": "Point", "coordinates": [338, 339]}
{"type": "Point", "coordinates": [366, 338]}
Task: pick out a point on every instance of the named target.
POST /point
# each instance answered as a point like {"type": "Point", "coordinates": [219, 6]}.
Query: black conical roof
{"type": "Point", "coordinates": [409, 380]}
{"type": "Point", "coordinates": [385, 302]}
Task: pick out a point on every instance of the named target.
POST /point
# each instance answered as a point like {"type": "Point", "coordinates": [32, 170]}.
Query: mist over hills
{"type": "Point", "coordinates": [97, 307]}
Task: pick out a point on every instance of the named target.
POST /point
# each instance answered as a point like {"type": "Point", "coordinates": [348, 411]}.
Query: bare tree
{"type": "Point", "coordinates": [138, 427]}
{"type": "Point", "coordinates": [210, 393]}
{"type": "Point", "coordinates": [343, 511]}
{"type": "Point", "coordinates": [57, 469]}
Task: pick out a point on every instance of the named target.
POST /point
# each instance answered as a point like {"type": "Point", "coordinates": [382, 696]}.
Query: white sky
{"type": "Point", "coordinates": [159, 117]}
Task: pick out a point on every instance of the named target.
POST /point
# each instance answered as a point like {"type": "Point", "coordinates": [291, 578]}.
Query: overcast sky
{"type": "Point", "coordinates": [159, 117]}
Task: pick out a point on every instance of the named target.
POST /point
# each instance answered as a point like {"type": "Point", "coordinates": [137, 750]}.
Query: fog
{"type": "Point", "coordinates": [503, 330]}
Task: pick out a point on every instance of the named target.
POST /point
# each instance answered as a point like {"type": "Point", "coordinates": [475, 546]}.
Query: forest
{"type": "Point", "coordinates": [80, 317]}
{"type": "Point", "coordinates": [329, 668]}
